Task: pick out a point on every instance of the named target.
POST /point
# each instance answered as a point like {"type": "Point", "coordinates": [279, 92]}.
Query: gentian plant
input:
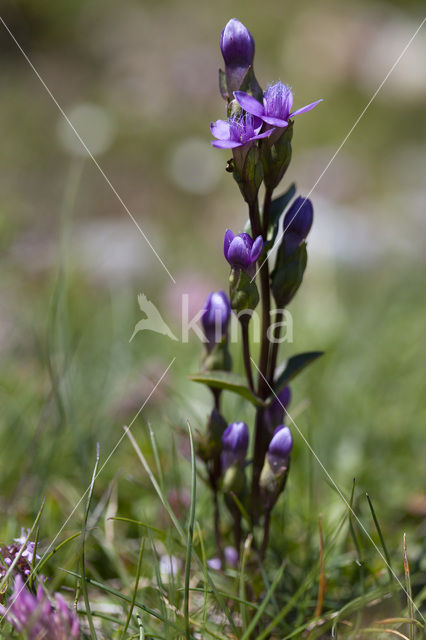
{"type": "Point", "coordinates": [248, 465]}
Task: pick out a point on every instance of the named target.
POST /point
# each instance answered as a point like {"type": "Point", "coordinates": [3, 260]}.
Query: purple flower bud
{"type": "Point", "coordinates": [241, 251]}
{"type": "Point", "coordinates": [238, 130]}
{"type": "Point", "coordinates": [216, 315]}
{"type": "Point", "coordinates": [234, 444]}
{"type": "Point", "coordinates": [274, 414]}
{"type": "Point", "coordinates": [297, 224]}
{"type": "Point", "coordinates": [279, 448]}
{"type": "Point", "coordinates": [237, 44]}
{"type": "Point", "coordinates": [276, 107]}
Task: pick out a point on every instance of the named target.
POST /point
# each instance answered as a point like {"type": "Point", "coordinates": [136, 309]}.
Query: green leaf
{"type": "Point", "coordinates": [293, 366]}
{"type": "Point", "coordinates": [229, 382]}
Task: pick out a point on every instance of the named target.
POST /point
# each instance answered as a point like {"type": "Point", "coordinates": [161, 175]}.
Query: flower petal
{"type": "Point", "coordinates": [275, 122]}
{"type": "Point", "coordinates": [249, 104]}
{"type": "Point", "coordinates": [308, 107]}
{"type": "Point", "coordinates": [226, 144]}
{"type": "Point", "coordinates": [229, 236]}
{"type": "Point", "coordinates": [265, 134]}
{"type": "Point", "coordinates": [221, 129]}
{"type": "Point", "coordinates": [256, 249]}
{"type": "Point", "coordinates": [238, 254]}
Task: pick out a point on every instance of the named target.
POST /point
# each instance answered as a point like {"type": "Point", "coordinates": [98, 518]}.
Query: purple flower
{"type": "Point", "coordinates": [237, 44]}
{"type": "Point", "coordinates": [274, 414]}
{"type": "Point", "coordinates": [216, 315]}
{"type": "Point", "coordinates": [35, 616]}
{"type": "Point", "coordinates": [297, 224]}
{"type": "Point", "coordinates": [238, 130]}
{"type": "Point", "coordinates": [279, 448]}
{"type": "Point", "coordinates": [10, 552]}
{"type": "Point", "coordinates": [234, 444]}
{"type": "Point", "coordinates": [241, 251]}
{"type": "Point", "coordinates": [276, 107]}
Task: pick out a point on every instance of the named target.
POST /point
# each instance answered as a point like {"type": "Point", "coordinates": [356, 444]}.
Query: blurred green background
{"type": "Point", "coordinates": [139, 82]}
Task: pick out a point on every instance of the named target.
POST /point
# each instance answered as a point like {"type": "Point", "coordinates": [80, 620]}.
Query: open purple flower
{"type": "Point", "coordinates": [241, 251]}
{"type": "Point", "coordinates": [9, 553]}
{"type": "Point", "coordinates": [237, 131]}
{"type": "Point", "coordinates": [216, 315]}
{"type": "Point", "coordinates": [234, 444]}
{"type": "Point", "coordinates": [35, 616]}
{"type": "Point", "coordinates": [276, 107]}
{"type": "Point", "coordinates": [297, 224]}
{"type": "Point", "coordinates": [279, 448]}
{"type": "Point", "coordinates": [274, 414]}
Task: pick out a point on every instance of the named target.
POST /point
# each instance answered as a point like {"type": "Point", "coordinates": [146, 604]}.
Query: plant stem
{"type": "Point", "coordinates": [246, 350]}
{"type": "Point", "coordinates": [275, 347]}
{"type": "Point", "coordinates": [216, 395]}
{"type": "Point", "coordinates": [260, 445]}
{"type": "Point", "coordinates": [266, 207]}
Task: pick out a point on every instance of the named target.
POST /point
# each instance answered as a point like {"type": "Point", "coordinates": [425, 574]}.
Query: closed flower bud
{"type": "Point", "coordinates": [279, 449]}
{"type": "Point", "coordinates": [242, 251]}
{"type": "Point", "coordinates": [237, 44]}
{"type": "Point", "coordinates": [274, 414]}
{"type": "Point", "coordinates": [234, 445]}
{"type": "Point", "coordinates": [215, 318]}
{"type": "Point", "coordinates": [297, 224]}
{"type": "Point", "coordinates": [237, 47]}
{"type": "Point", "coordinates": [275, 469]}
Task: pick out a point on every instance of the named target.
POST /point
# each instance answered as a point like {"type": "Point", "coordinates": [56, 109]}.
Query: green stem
{"type": "Point", "coordinates": [274, 348]}
{"type": "Point", "coordinates": [260, 443]}
{"type": "Point", "coordinates": [266, 207]}
{"type": "Point", "coordinates": [246, 350]}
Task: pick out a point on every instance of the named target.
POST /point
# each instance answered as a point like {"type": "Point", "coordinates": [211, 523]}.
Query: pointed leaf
{"type": "Point", "coordinates": [229, 382]}
{"type": "Point", "coordinates": [292, 367]}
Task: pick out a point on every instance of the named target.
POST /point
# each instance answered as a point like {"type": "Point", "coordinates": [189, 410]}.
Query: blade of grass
{"type": "Point", "coordinates": [411, 627]}
{"type": "Point", "coordinates": [156, 456]}
{"type": "Point", "coordinates": [220, 600]}
{"type": "Point", "coordinates": [83, 550]}
{"type": "Point", "coordinates": [204, 561]}
{"type": "Point", "coordinates": [141, 629]}
{"type": "Point", "coordinates": [190, 533]}
{"type": "Point", "coordinates": [262, 606]}
{"type": "Point", "coordinates": [22, 549]}
{"type": "Point", "coordinates": [33, 559]}
{"type": "Point", "coordinates": [242, 588]}
{"type": "Point", "coordinates": [117, 594]}
{"type": "Point", "coordinates": [135, 590]}
{"type": "Point", "coordinates": [43, 561]}
{"type": "Point", "coordinates": [390, 631]}
{"type": "Point", "coordinates": [382, 540]}
{"type": "Point", "coordinates": [321, 585]}
{"type": "Point", "coordinates": [154, 482]}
